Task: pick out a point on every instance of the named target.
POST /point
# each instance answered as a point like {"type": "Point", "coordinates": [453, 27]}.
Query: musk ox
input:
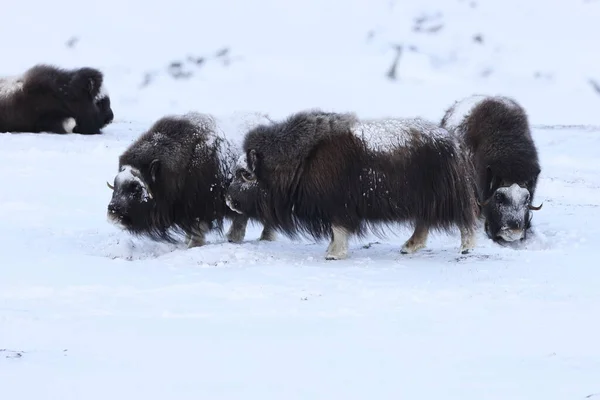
{"type": "Point", "coordinates": [332, 175]}
{"type": "Point", "coordinates": [496, 133]}
{"type": "Point", "coordinates": [172, 180]}
{"type": "Point", "coordinates": [50, 99]}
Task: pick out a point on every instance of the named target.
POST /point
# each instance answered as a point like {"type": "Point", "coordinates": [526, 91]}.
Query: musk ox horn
{"type": "Point", "coordinates": [485, 203]}
{"type": "Point", "coordinates": [534, 208]}
{"type": "Point", "coordinates": [110, 186]}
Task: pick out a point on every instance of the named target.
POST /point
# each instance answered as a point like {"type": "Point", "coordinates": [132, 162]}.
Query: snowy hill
{"type": "Point", "coordinates": [335, 54]}
{"type": "Point", "coordinates": [88, 312]}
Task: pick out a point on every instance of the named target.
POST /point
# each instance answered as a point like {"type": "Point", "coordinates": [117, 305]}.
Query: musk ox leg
{"type": "Point", "coordinates": [237, 231]}
{"type": "Point", "coordinates": [417, 241]}
{"type": "Point", "coordinates": [197, 238]}
{"type": "Point", "coordinates": [467, 240]}
{"type": "Point", "coordinates": [338, 247]}
{"type": "Point", "coordinates": [268, 234]}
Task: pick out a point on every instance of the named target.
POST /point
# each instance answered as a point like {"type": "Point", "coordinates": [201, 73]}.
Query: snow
{"type": "Point", "coordinates": [89, 312]}
{"type": "Point", "coordinates": [9, 85]}
{"type": "Point", "coordinates": [385, 134]}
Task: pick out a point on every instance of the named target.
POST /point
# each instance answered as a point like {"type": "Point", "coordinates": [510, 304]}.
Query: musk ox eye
{"type": "Point", "coordinates": [248, 176]}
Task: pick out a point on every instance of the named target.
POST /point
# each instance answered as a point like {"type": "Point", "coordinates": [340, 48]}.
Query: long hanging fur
{"type": "Point", "coordinates": [320, 172]}
{"type": "Point", "coordinates": [54, 100]}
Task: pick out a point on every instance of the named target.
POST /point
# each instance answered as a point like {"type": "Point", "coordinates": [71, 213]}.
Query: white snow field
{"type": "Point", "coordinates": [89, 313]}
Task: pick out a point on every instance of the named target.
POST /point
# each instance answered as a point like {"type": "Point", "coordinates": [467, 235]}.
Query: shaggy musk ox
{"type": "Point", "coordinates": [49, 99]}
{"type": "Point", "coordinates": [172, 180]}
{"type": "Point", "coordinates": [496, 132]}
{"type": "Point", "coordinates": [332, 175]}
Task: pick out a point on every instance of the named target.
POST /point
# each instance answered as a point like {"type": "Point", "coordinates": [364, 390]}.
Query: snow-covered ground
{"type": "Point", "coordinates": [88, 312]}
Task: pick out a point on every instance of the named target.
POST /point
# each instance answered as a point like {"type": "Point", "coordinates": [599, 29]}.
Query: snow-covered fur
{"type": "Point", "coordinates": [496, 132]}
{"type": "Point", "coordinates": [172, 180]}
{"type": "Point", "coordinates": [332, 175]}
{"type": "Point", "coordinates": [54, 100]}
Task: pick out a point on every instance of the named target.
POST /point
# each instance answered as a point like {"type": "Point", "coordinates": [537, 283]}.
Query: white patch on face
{"type": "Point", "coordinates": [242, 162]}
{"type": "Point", "coordinates": [10, 85]}
{"type": "Point", "coordinates": [514, 209]}
{"type": "Point", "coordinates": [129, 174]}
{"type": "Point", "coordinates": [515, 193]}
{"type": "Point", "coordinates": [69, 125]}
{"type": "Point", "coordinates": [102, 93]}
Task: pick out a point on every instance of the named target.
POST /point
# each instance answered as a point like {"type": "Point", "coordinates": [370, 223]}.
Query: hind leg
{"type": "Point", "coordinates": [418, 240]}
{"type": "Point", "coordinates": [237, 231]}
{"type": "Point", "coordinates": [197, 238]}
{"type": "Point", "coordinates": [338, 247]}
{"type": "Point", "coordinates": [467, 240]}
{"type": "Point", "coordinates": [268, 234]}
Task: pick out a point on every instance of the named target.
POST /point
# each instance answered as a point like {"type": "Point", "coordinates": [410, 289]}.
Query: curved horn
{"type": "Point", "coordinates": [485, 203]}
{"type": "Point", "coordinates": [110, 186]}
{"type": "Point", "coordinates": [534, 208]}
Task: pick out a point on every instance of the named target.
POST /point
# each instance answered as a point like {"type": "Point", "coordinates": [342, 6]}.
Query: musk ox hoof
{"type": "Point", "coordinates": [411, 247]}
{"type": "Point", "coordinates": [330, 257]}
{"type": "Point", "coordinates": [235, 236]}
{"type": "Point", "coordinates": [195, 243]}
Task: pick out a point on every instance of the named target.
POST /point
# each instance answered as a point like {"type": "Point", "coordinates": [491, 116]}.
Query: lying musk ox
{"type": "Point", "coordinates": [496, 133]}
{"type": "Point", "coordinates": [49, 99]}
{"type": "Point", "coordinates": [332, 175]}
{"type": "Point", "coordinates": [172, 180]}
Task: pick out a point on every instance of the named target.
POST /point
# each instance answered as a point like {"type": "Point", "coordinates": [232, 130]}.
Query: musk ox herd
{"type": "Point", "coordinates": [324, 175]}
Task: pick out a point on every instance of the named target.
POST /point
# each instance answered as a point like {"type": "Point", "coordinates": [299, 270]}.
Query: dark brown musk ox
{"type": "Point", "coordinates": [49, 99]}
{"type": "Point", "coordinates": [172, 180]}
{"type": "Point", "coordinates": [496, 133]}
{"type": "Point", "coordinates": [331, 175]}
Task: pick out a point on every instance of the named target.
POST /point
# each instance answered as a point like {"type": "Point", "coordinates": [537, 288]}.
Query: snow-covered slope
{"type": "Point", "coordinates": [87, 312]}
{"type": "Point", "coordinates": [282, 56]}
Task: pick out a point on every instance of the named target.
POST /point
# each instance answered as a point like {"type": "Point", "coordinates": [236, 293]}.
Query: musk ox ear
{"type": "Point", "coordinates": [154, 169]}
{"type": "Point", "coordinates": [252, 160]}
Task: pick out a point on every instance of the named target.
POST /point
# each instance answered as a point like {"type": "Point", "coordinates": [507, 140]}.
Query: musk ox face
{"type": "Point", "coordinates": [132, 199]}
{"type": "Point", "coordinates": [508, 213]}
{"type": "Point", "coordinates": [243, 193]}
{"type": "Point", "coordinates": [103, 106]}
{"type": "Point", "coordinates": [89, 100]}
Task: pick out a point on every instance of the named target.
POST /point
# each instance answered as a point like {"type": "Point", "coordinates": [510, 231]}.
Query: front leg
{"type": "Point", "coordinates": [338, 247]}
{"type": "Point", "coordinates": [55, 125]}
{"type": "Point", "coordinates": [418, 240]}
{"type": "Point", "coordinates": [237, 231]}
{"type": "Point", "coordinates": [467, 240]}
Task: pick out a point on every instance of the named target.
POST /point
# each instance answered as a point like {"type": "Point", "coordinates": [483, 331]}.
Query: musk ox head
{"type": "Point", "coordinates": [89, 100]}
{"type": "Point", "coordinates": [243, 194]}
{"type": "Point", "coordinates": [132, 200]}
{"type": "Point", "coordinates": [508, 212]}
